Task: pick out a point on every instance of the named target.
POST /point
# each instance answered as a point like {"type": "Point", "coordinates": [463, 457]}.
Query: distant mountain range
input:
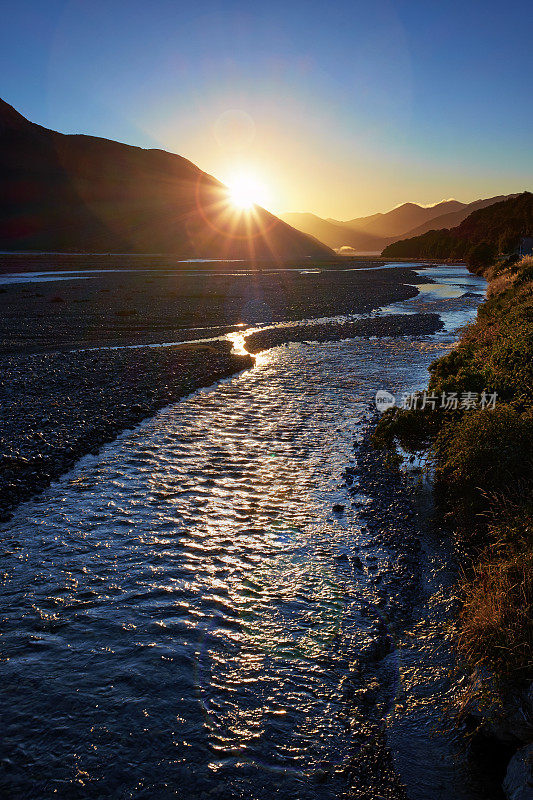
{"type": "Point", "coordinates": [402, 218]}
{"type": "Point", "coordinates": [81, 193]}
{"type": "Point", "coordinates": [500, 227]}
{"type": "Point", "coordinates": [373, 233]}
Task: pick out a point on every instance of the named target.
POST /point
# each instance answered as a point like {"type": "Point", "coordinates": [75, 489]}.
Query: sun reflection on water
{"type": "Point", "coordinates": [189, 594]}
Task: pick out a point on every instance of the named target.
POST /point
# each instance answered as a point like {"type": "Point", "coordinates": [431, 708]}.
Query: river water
{"type": "Point", "coordinates": [183, 616]}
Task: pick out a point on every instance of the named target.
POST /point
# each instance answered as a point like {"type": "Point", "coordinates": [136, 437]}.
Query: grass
{"type": "Point", "coordinates": [480, 455]}
{"type": "Point", "coordinates": [496, 631]}
{"type": "Point", "coordinates": [483, 468]}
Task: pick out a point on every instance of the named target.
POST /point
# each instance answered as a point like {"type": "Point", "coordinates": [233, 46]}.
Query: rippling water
{"type": "Point", "coordinates": [182, 616]}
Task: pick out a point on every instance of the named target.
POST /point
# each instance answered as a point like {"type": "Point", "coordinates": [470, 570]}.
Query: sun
{"type": "Point", "coordinates": [246, 191]}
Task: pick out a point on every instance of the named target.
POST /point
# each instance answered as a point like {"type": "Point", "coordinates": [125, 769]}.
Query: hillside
{"type": "Point", "coordinates": [333, 233]}
{"type": "Point", "coordinates": [454, 218]}
{"type": "Point", "coordinates": [500, 226]}
{"type": "Point", "coordinates": [402, 219]}
{"type": "Point", "coordinates": [373, 233]}
{"type": "Point", "coordinates": [81, 193]}
{"type": "Point", "coordinates": [367, 234]}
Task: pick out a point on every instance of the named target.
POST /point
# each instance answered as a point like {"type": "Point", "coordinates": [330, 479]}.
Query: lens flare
{"type": "Point", "coordinates": [246, 191]}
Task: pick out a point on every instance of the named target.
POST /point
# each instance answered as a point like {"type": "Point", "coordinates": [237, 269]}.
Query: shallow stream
{"type": "Point", "coordinates": [184, 612]}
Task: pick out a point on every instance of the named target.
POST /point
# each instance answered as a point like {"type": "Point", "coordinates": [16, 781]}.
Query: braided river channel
{"type": "Point", "coordinates": [206, 608]}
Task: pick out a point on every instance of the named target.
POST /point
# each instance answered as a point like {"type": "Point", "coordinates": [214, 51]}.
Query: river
{"type": "Point", "coordinates": [184, 611]}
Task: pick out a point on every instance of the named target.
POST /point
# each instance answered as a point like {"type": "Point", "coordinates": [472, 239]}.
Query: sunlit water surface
{"type": "Point", "coordinates": [182, 613]}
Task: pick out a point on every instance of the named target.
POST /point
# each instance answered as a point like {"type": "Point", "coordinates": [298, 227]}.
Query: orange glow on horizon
{"type": "Point", "coordinates": [234, 223]}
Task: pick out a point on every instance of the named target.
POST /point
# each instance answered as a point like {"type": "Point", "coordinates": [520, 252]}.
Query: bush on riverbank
{"type": "Point", "coordinates": [481, 455]}
{"type": "Point", "coordinates": [478, 238]}
{"type": "Point", "coordinates": [496, 630]}
{"type": "Point", "coordinates": [483, 468]}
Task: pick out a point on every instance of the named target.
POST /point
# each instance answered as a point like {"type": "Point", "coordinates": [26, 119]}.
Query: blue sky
{"type": "Point", "coordinates": [339, 108]}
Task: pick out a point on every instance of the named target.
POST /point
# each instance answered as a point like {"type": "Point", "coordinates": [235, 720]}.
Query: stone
{"type": "Point", "coordinates": [510, 717]}
{"type": "Point", "coordinates": [518, 783]}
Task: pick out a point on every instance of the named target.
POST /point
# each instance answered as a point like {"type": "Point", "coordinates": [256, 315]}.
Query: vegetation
{"type": "Point", "coordinates": [496, 630]}
{"type": "Point", "coordinates": [483, 469]}
{"type": "Point", "coordinates": [497, 228]}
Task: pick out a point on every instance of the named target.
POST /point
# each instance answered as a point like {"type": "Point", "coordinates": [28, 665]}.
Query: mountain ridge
{"type": "Point", "coordinates": [66, 192]}
{"type": "Point", "coordinates": [498, 227]}
{"type": "Point", "coordinates": [353, 234]}
{"type": "Point", "coordinates": [401, 218]}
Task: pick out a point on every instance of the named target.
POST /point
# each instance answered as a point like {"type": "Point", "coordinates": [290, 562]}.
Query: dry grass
{"type": "Point", "coordinates": [497, 619]}
{"type": "Point", "coordinates": [497, 616]}
{"type": "Point", "coordinates": [525, 263]}
{"type": "Point", "coordinates": [500, 280]}
{"type": "Point", "coordinates": [484, 473]}
{"type": "Point", "coordinates": [500, 284]}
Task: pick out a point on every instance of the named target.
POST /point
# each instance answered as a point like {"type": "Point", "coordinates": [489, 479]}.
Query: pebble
{"type": "Point", "coordinates": [62, 406]}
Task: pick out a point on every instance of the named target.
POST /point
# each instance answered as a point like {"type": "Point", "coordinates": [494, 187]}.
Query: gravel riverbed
{"type": "Point", "coordinates": [57, 407]}
{"type": "Point", "coordinates": [95, 309]}
{"type": "Point", "coordinates": [389, 325]}
{"type": "Point", "coordinates": [63, 394]}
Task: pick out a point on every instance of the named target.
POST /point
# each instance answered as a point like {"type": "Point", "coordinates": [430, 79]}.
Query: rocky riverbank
{"type": "Point", "coordinates": [61, 400]}
{"type": "Point", "coordinates": [57, 407]}
{"type": "Point", "coordinates": [150, 306]}
{"type": "Point", "coordinates": [483, 467]}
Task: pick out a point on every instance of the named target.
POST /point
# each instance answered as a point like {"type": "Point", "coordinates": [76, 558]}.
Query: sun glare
{"type": "Point", "coordinates": [245, 191]}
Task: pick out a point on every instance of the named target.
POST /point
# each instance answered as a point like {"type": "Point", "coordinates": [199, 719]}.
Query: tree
{"type": "Point", "coordinates": [481, 255]}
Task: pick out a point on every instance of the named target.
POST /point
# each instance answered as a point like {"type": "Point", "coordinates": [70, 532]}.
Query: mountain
{"type": "Point", "coordinates": [333, 233]}
{"type": "Point", "coordinates": [402, 218]}
{"type": "Point", "coordinates": [82, 193]}
{"type": "Point", "coordinates": [500, 226]}
{"type": "Point", "coordinates": [373, 233]}
{"type": "Point", "coordinates": [454, 218]}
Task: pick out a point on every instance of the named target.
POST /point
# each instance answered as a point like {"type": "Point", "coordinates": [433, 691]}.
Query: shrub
{"type": "Point", "coordinates": [483, 462]}
{"type": "Point", "coordinates": [413, 429]}
{"type": "Point", "coordinates": [497, 615]}
{"type": "Point", "coordinates": [457, 372]}
{"type": "Point", "coordinates": [486, 452]}
{"type": "Point", "coordinates": [482, 255]}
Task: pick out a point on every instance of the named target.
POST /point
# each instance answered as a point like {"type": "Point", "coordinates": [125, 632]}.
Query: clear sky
{"type": "Point", "coordinates": [338, 108]}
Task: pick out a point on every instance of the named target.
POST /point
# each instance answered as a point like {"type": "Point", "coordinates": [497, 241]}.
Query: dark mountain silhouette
{"type": "Point", "coordinates": [454, 218]}
{"type": "Point", "coordinates": [500, 226]}
{"type": "Point", "coordinates": [81, 193]}
{"type": "Point", "coordinates": [373, 233]}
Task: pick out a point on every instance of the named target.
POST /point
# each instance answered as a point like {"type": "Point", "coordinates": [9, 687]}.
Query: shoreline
{"type": "Point", "coordinates": [27, 261]}
{"type": "Point", "coordinates": [400, 517]}
{"type": "Point", "coordinates": [308, 332]}
{"type": "Point", "coordinates": [116, 308]}
{"type": "Point", "coordinates": [59, 407]}
{"type": "Point", "coordinates": [482, 464]}
{"type": "Point", "coordinates": [62, 400]}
